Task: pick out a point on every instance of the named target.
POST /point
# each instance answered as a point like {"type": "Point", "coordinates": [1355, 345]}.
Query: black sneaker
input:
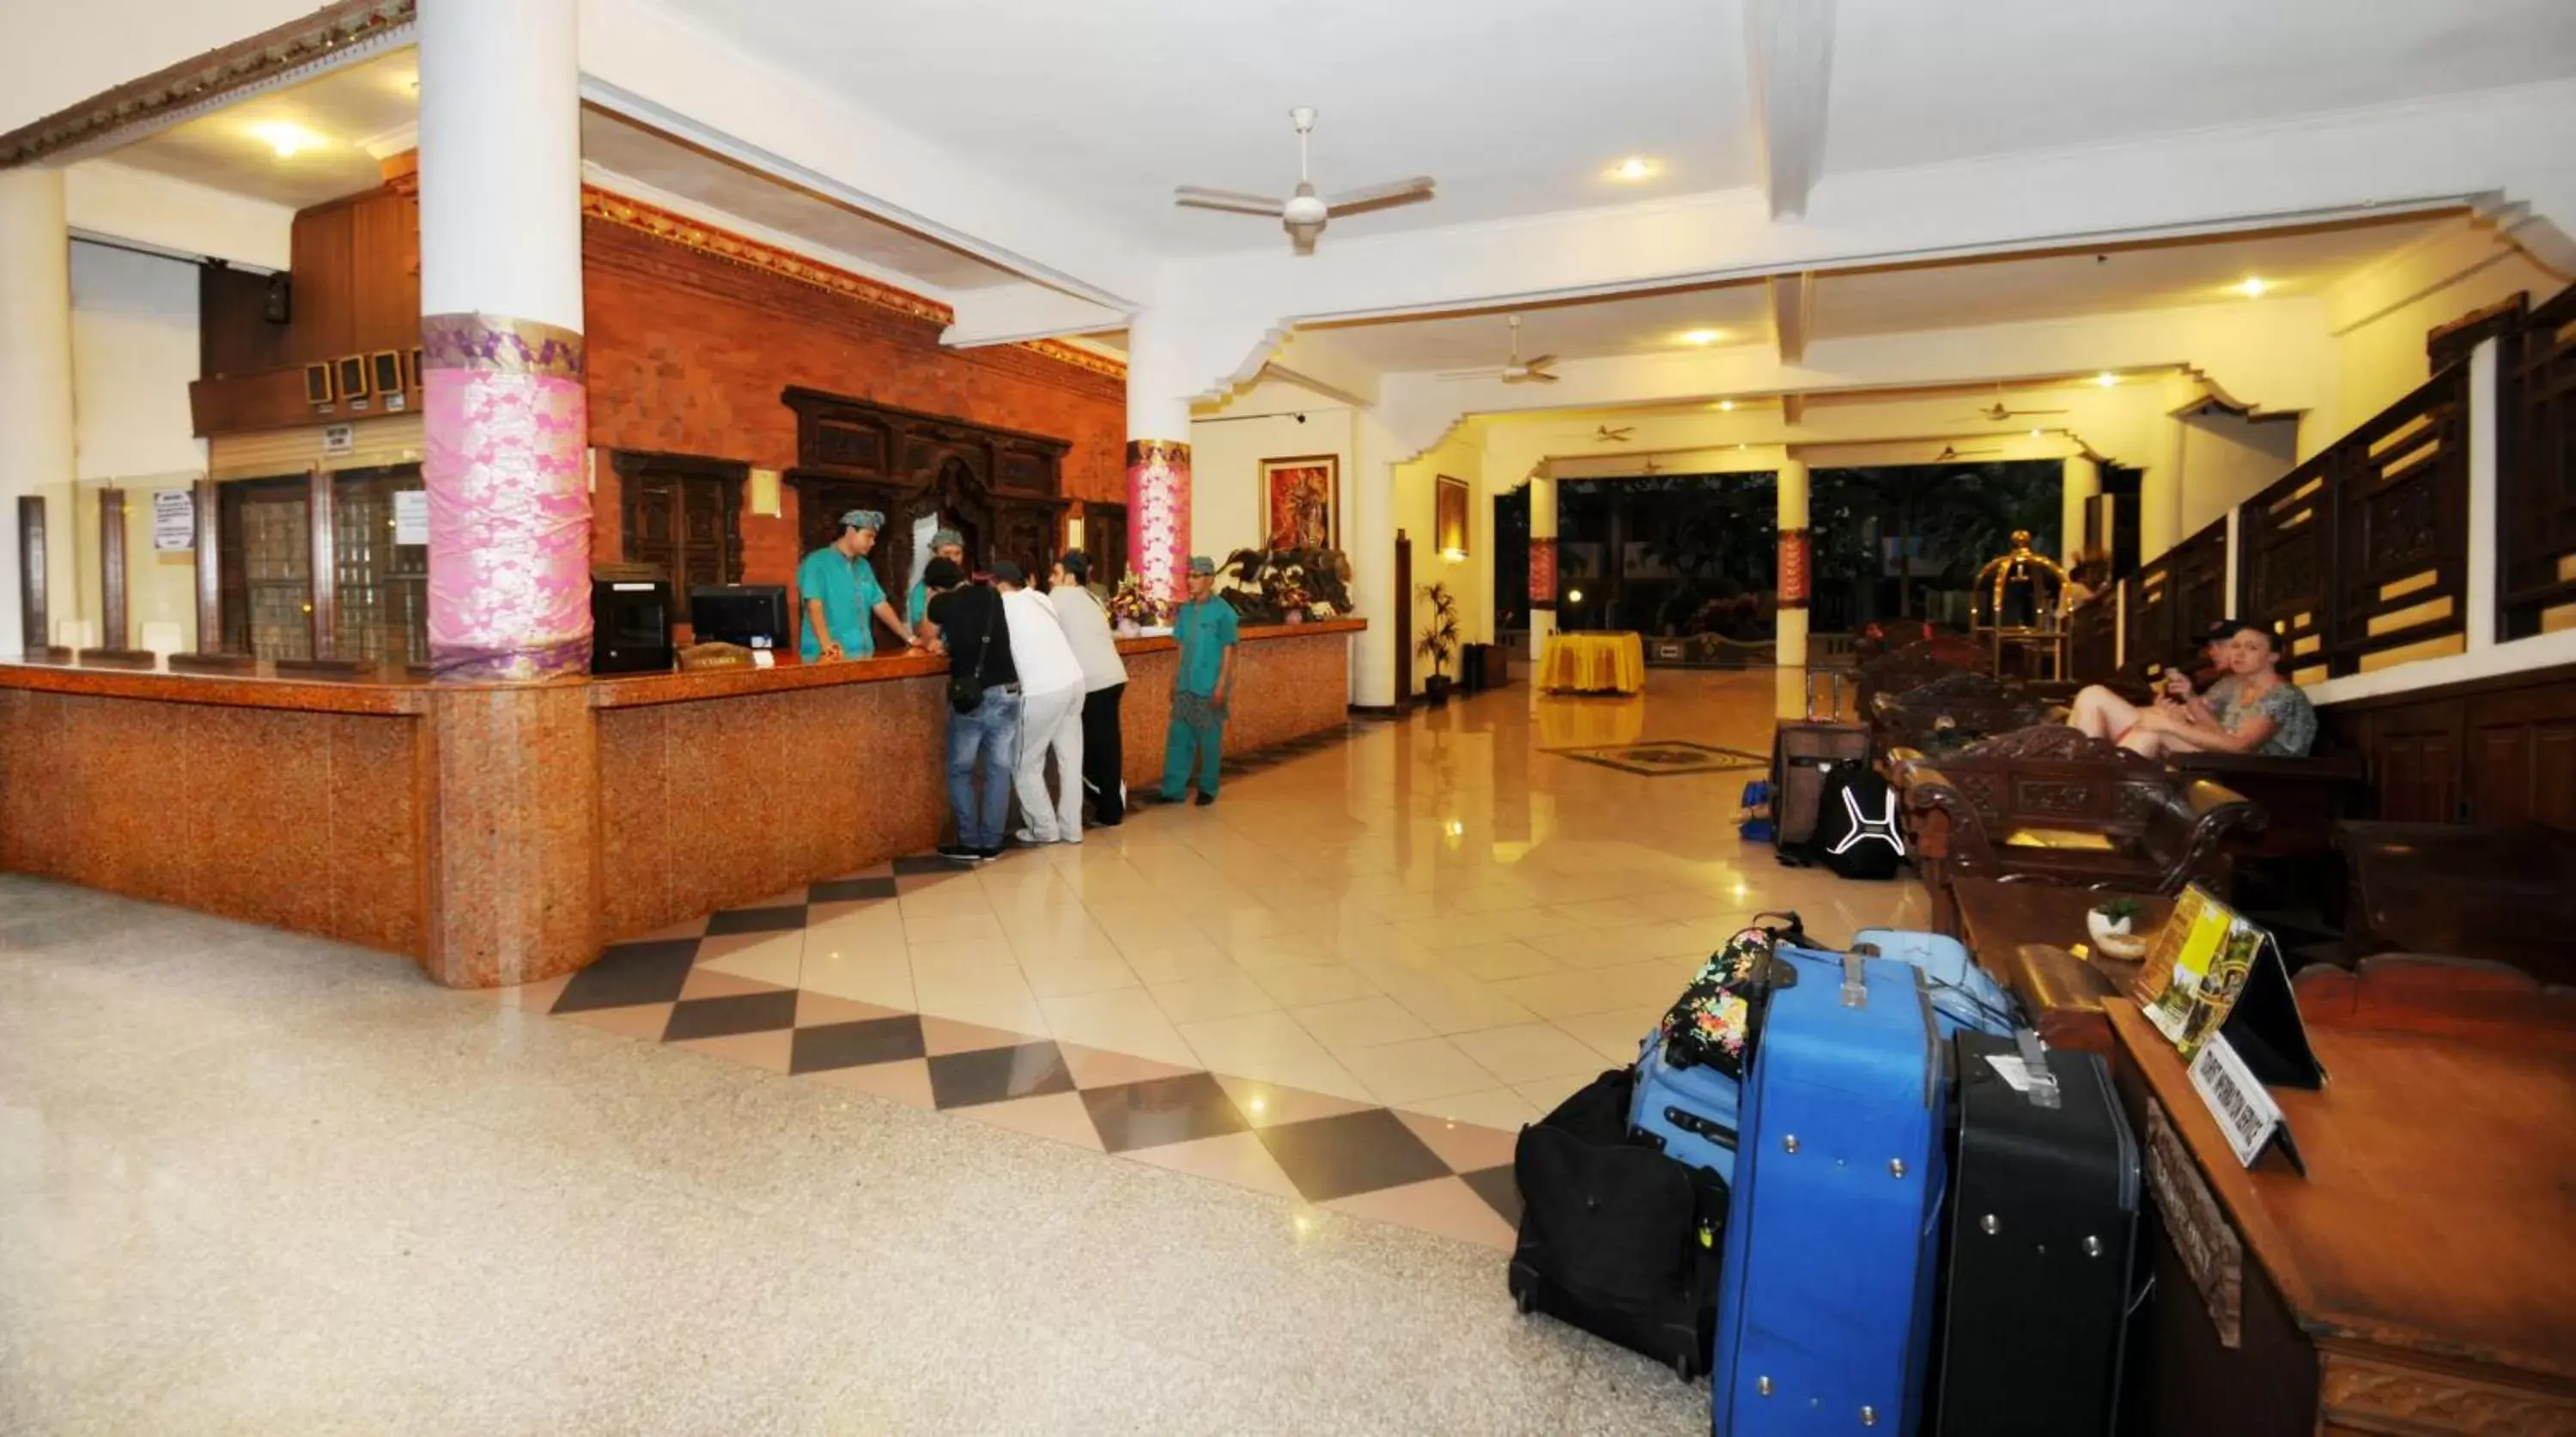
{"type": "Point", "coordinates": [986, 855]}
{"type": "Point", "coordinates": [958, 852]}
{"type": "Point", "coordinates": [1204, 799]}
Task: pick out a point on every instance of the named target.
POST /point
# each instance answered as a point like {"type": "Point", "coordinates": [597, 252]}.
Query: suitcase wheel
{"type": "Point", "coordinates": [1526, 1299]}
{"type": "Point", "coordinates": [1684, 1367]}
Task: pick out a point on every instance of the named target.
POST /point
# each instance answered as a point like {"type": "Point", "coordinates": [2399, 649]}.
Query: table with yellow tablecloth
{"type": "Point", "coordinates": [1594, 663]}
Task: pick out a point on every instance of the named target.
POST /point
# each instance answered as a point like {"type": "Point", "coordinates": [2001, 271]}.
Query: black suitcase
{"type": "Point", "coordinates": [1616, 1238]}
{"type": "Point", "coordinates": [2043, 1219]}
{"type": "Point", "coordinates": [1802, 756]}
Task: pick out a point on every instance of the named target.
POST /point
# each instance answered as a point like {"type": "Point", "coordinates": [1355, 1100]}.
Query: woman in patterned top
{"type": "Point", "coordinates": [2252, 710]}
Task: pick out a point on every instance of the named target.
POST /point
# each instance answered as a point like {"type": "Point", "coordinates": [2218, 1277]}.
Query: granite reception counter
{"type": "Point", "coordinates": [501, 834]}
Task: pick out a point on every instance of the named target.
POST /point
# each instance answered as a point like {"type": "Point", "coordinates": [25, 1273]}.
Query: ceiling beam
{"type": "Point", "coordinates": [1793, 409]}
{"type": "Point", "coordinates": [1793, 303]}
{"type": "Point", "coordinates": [1789, 46]}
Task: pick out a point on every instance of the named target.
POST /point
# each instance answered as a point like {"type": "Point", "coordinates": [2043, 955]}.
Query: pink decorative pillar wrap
{"type": "Point", "coordinates": [509, 513]}
{"type": "Point", "coordinates": [1158, 515]}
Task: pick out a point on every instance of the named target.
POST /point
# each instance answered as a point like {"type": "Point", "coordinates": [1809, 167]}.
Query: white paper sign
{"type": "Point", "coordinates": [340, 438]}
{"type": "Point", "coordinates": [174, 521]}
{"type": "Point", "coordinates": [2011, 1069]}
{"type": "Point", "coordinates": [411, 516]}
{"type": "Point", "coordinates": [2243, 1107]}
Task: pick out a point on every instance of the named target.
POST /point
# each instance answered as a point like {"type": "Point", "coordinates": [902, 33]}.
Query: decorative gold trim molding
{"type": "Point", "coordinates": [1078, 357]}
{"type": "Point", "coordinates": [750, 253]}
{"type": "Point", "coordinates": [498, 344]}
{"type": "Point", "coordinates": [715, 243]}
{"type": "Point", "coordinates": [208, 77]}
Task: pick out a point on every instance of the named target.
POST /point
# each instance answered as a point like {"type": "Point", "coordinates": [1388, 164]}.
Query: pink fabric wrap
{"type": "Point", "coordinates": [509, 524]}
{"type": "Point", "coordinates": [1158, 515]}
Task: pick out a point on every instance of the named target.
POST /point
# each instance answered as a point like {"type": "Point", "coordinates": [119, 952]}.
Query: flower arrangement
{"type": "Point", "coordinates": [1130, 607]}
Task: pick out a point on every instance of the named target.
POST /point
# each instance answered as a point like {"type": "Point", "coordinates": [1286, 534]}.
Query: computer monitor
{"type": "Point", "coordinates": [630, 626]}
{"type": "Point", "coordinates": [752, 615]}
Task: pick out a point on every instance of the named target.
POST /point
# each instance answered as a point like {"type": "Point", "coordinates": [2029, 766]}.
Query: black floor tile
{"type": "Point", "coordinates": [630, 973]}
{"type": "Point", "coordinates": [1500, 1190]}
{"type": "Point", "coordinates": [1161, 1110]}
{"type": "Point", "coordinates": [756, 920]}
{"type": "Point", "coordinates": [917, 864]}
{"type": "Point", "coordinates": [991, 1075]}
{"type": "Point", "coordinates": [1329, 1158]}
{"type": "Point", "coordinates": [856, 1045]}
{"type": "Point", "coordinates": [851, 890]}
{"type": "Point", "coordinates": [725, 1017]}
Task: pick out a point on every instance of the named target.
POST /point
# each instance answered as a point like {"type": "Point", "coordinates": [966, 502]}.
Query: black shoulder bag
{"type": "Point", "coordinates": [966, 690]}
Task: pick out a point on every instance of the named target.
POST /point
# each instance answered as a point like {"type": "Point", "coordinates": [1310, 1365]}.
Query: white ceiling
{"type": "Point", "coordinates": [1517, 108]}
{"type": "Point", "coordinates": [335, 114]}
{"type": "Point", "coordinates": [666, 164]}
{"type": "Point", "coordinates": [1895, 300]}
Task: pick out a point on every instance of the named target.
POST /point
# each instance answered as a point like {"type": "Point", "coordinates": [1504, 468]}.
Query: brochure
{"type": "Point", "coordinates": [2196, 968]}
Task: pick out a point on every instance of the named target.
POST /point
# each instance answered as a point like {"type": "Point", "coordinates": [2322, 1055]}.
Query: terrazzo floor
{"type": "Point", "coordinates": [1202, 1125]}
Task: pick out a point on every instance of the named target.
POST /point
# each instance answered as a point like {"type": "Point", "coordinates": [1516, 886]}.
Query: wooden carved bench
{"type": "Point", "coordinates": [1951, 710]}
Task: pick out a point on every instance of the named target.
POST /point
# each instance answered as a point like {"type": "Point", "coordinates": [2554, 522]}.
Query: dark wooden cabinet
{"type": "Point", "coordinates": [1002, 490]}
{"type": "Point", "coordinates": [683, 516]}
{"type": "Point", "coordinates": [1104, 542]}
{"type": "Point", "coordinates": [2495, 752]}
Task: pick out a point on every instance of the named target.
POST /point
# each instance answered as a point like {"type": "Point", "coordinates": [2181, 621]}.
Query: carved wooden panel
{"type": "Point", "coordinates": [683, 516]}
{"type": "Point", "coordinates": [2537, 480]}
{"type": "Point", "coordinates": [2363, 1395]}
{"type": "Point", "coordinates": [2210, 1249]}
{"type": "Point", "coordinates": [2285, 572]}
{"type": "Point", "coordinates": [2200, 598]}
{"type": "Point", "coordinates": [2403, 552]}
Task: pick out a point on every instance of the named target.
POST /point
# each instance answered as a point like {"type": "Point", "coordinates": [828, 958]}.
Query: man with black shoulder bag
{"type": "Point", "coordinates": [983, 707]}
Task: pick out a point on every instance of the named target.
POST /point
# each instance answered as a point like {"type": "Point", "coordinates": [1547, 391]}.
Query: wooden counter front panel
{"type": "Point", "coordinates": [717, 803]}
{"type": "Point", "coordinates": [151, 799]}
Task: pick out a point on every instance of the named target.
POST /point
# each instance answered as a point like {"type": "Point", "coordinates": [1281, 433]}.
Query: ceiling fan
{"type": "Point", "coordinates": [1949, 453]}
{"type": "Point", "coordinates": [1614, 436]}
{"type": "Point", "coordinates": [1998, 412]}
{"type": "Point", "coordinates": [1514, 371]}
{"type": "Point", "coordinates": [1305, 213]}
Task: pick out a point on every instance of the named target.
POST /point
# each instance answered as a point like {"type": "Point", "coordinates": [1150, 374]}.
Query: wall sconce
{"type": "Point", "coordinates": [1454, 556]}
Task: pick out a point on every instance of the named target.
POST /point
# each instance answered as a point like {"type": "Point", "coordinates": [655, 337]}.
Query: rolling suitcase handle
{"type": "Point", "coordinates": [1855, 990]}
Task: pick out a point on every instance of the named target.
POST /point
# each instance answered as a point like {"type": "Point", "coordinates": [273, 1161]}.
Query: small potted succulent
{"type": "Point", "coordinates": [2113, 926]}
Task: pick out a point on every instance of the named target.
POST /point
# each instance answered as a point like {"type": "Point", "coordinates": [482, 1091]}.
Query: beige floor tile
{"type": "Point", "coordinates": [1360, 1023]}
{"type": "Point", "coordinates": [768, 1052]}
{"type": "Point", "coordinates": [1267, 1104]}
{"type": "Point", "coordinates": [1407, 1072]}
{"type": "Point", "coordinates": [1104, 1068]}
{"type": "Point", "coordinates": [1455, 1006]}
{"type": "Point", "coordinates": [955, 930]}
{"type": "Point", "coordinates": [1529, 1052]}
{"type": "Point", "coordinates": [1546, 1093]}
{"type": "Point", "coordinates": [1237, 1158]}
{"type": "Point", "coordinates": [884, 978]}
{"type": "Point", "coordinates": [906, 1082]}
{"type": "Point", "coordinates": [1174, 965]}
{"type": "Point", "coordinates": [1020, 1015]}
{"type": "Point", "coordinates": [1121, 1020]}
{"type": "Point", "coordinates": [1446, 1206]}
{"type": "Point", "coordinates": [644, 1020]}
{"type": "Point", "coordinates": [1466, 1146]}
{"type": "Point", "coordinates": [940, 1036]}
{"type": "Point", "coordinates": [814, 1010]}
{"type": "Point", "coordinates": [1495, 1108]}
{"type": "Point", "coordinates": [1052, 976]}
{"type": "Point", "coordinates": [940, 982]}
{"type": "Point", "coordinates": [772, 958]}
{"type": "Point", "coordinates": [710, 983]}
{"type": "Point", "coordinates": [1224, 995]}
{"type": "Point", "coordinates": [1058, 1117]}
{"type": "Point", "coordinates": [1613, 1035]}
{"type": "Point", "coordinates": [1313, 1072]}
{"type": "Point", "coordinates": [1494, 962]}
{"type": "Point", "coordinates": [1311, 983]}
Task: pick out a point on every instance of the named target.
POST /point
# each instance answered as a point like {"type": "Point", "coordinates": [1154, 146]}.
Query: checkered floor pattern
{"type": "Point", "coordinates": [1418, 1170]}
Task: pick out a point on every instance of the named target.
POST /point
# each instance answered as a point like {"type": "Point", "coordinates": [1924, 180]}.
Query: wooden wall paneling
{"type": "Point", "coordinates": [210, 569]}
{"type": "Point", "coordinates": [2495, 751]}
{"type": "Point", "coordinates": [321, 509]}
{"type": "Point", "coordinates": [2286, 565]}
{"type": "Point", "coordinates": [1104, 541]}
{"type": "Point", "coordinates": [233, 334]}
{"type": "Point", "coordinates": [2416, 755]}
{"type": "Point", "coordinates": [33, 629]}
{"type": "Point", "coordinates": [111, 570]}
{"type": "Point", "coordinates": [2403, 511]}
{"type": "Point", "coordinates": [384, 287]}
{"type": "Point", "coordinates": [2537, 501]}
{"type": "Point", "coordinates": [262, 399]}
{"type": "Point", "coordinates": [322, 257]}
{"type": "Point", "coordinates": [2200, 597]}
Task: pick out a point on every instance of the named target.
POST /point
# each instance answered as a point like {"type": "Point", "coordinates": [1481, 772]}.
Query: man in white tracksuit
{"type": "Point", "coordinates": [1050, 710]}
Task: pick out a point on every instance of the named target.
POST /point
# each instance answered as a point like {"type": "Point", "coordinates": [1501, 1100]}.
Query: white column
{"type": "Point", "coordinates": [2483, 583]}
{"type": "Point", "coordinates": [2083, 480]}
{"type": "Point", "coordinates": [1158, 455]}
{"type": "Point", "coordinates": [503, 405]}
{"type": "Point", "coordinates": [36, 433]}
{"type": "Point", "coordinates": [1542, 620]}
{"type": "Point", "coordinates": [1797, 586]}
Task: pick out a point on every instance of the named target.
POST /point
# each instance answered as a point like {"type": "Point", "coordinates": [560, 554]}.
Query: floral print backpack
{"type": "Point", "coordinates": [1714, 1022]}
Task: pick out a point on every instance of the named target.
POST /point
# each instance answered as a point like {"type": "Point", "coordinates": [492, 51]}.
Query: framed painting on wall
{"type": "Point", "coordinates": [1449, 517]}
{"type": "Point", "coordinates": [1302, 502]}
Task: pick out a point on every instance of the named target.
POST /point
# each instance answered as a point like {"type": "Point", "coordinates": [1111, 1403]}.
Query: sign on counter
{"type": "Point", "coordinates": [174, 521]}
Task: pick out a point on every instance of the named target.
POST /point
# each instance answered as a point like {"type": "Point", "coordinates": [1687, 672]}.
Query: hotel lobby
{"type": "Point", "coordinates": [461, 975]}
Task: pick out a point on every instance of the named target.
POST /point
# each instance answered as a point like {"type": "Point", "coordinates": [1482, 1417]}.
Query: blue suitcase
{"type": "Point", "coordinates": [1963, 994]}
{"type": "Point", "coordinates": [1687, 1113]}
{"type": "Point", "coordinates": [1824, 1313]}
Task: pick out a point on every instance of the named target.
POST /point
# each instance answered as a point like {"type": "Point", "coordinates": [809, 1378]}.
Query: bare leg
{"type": "Point", "coordinates": [2102, 713]}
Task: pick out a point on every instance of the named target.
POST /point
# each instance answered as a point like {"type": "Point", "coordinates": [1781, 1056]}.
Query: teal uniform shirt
{"type": "Point", "coordinates": [1205, 629]}
{"type": "Point", "coordinates": [850, 594]}
{"type": "Point", "coordinates": [919, 605]}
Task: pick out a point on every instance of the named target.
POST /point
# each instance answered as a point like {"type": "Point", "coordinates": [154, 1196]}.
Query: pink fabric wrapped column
{"type": "Point", "coordinates": [1158, 515]}
{"type": "Point", "coordinates": [509, 511]}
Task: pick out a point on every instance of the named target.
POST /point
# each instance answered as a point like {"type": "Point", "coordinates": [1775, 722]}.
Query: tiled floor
{"type": "Point", "coordinates": [256, 1183]}
{"type": "Point", "coordinates": [1349, 983]}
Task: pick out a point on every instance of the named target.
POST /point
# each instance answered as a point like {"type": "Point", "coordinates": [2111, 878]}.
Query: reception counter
{"type": "Point", "coordinates": [501, 834]}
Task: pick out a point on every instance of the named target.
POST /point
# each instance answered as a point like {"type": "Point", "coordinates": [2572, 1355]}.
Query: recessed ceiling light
{"type": "Point", "coordinates": [284, 138]}
{"type": "Point", "coordinates": [2034, 434]}
{"type": "Point", "coordinates": [1635, 168]}
{"type": "Point", "coordinates": [1727, 405]}
{"type": "Point", "coordinates": [2253, 287]}
{"type": "Point", "coordinates": [2106, 379]}
{"type": "Point", "coordinates": [1700, 336]}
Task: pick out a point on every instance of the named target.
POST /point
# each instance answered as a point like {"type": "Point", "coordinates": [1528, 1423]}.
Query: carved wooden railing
{"type": "Point", "coordinates": [2536, 500]}
{"type": "Point", "coordinates": [2359, 557]}
{"type": "Point", "coordinates": [2093, 639]}
{"type": "Point", "coordinates": [2148, 596]}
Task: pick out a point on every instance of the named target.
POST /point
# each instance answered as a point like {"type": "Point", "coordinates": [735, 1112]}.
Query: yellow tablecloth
{"type": "Point", "coordinates": [1594, 663]}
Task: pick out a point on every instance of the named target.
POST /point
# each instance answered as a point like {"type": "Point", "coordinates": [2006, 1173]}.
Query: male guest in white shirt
{"type": "Point", "coordinates": [1104, 682]}
{"type": "Point", "coordinates": [1050, 710]}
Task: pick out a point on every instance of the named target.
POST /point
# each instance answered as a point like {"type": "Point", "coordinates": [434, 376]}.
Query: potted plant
{"type": "Point", "coordinates": [2112, 927]}
{"type": "Point", "coordinates": [1131, 609]}
{"type": "Point", "coordinates": [1439, 642]}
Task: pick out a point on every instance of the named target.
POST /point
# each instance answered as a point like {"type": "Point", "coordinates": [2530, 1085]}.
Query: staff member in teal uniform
{"type": "Point", "coordinates": [1202, 685]}
{"type": "Point", "coordinates": [946, 544]}
{"type": "Point", "coordinates": [840, 589]}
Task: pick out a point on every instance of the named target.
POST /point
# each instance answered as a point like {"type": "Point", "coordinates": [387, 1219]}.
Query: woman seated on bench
{"type": "Point", "coordinates": [2252, 709]}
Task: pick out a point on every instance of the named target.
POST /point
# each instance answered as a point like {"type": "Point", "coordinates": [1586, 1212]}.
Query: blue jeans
{"type": "Point", "coordinates": [990, 734]}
